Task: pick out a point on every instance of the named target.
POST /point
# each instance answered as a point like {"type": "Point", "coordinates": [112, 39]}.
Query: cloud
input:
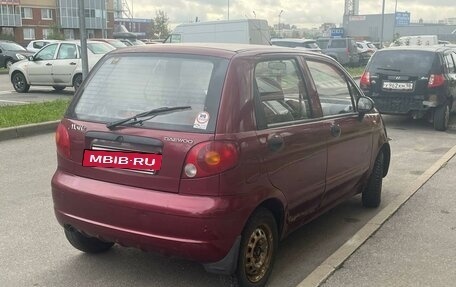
{"type": "Point", "coordinates": [297, 12]}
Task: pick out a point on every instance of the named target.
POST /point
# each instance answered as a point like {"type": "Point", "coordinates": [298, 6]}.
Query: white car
{"type": "Point", "coordinates": [36, 45]}
{"type": "Point", "coordinates": [58, 65]}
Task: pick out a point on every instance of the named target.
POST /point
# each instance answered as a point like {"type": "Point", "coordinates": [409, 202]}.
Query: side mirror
{"type": "Point", "coordinates": [365, 105]}
{"type": "Point", "coordinates": [30, 58]}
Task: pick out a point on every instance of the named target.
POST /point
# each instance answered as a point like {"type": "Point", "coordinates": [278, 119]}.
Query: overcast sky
{"type": "Point", "coordinates": [303, 13]}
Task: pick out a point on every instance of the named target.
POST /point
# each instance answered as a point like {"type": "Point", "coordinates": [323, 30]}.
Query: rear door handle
{"type": "Point", "coordinates": [48, 64]}
{"type": "Point", "coordinates": [72, 63]}
{"type": "Point", "coordinates": [335, 130]}
{"type": "Point", "coordinates": [275, 142]}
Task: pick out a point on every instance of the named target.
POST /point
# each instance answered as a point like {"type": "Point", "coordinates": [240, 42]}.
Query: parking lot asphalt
{"type": "Point", "coordinates": [415, 247]}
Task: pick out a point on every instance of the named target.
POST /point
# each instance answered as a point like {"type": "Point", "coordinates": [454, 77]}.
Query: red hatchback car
{"type": "Point", "coordinates": [213, 153]}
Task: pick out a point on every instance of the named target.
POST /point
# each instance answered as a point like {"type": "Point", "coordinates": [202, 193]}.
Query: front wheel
{"type": "Point", "coordinates": [20, 83]}
{"type": "Point", "coordinates": [371, 196]}
{"type": "Point", "coordinates": [442, 117]}
{"type": "Point", "coordinates": [77, 81]}
{"type": "Point", "coordinates": [258, 249]}
{"type": "Point", "coordinates": [85, 243]}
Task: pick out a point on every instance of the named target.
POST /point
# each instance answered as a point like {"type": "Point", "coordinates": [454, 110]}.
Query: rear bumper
{"type": "Point", "coordinates": [198, 228]}
{"type": "Point", "coordinates": [400, 104]}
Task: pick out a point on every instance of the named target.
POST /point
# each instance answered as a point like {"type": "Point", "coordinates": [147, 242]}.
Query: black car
{"type": "Point", "coordinates": [11, 52]}
{"type": "Point", "coordinates": [415, 81]}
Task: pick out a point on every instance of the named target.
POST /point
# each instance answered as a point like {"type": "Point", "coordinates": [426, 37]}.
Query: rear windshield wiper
{"type": "Point", "coordinates": [139, 118]}
{"type": "Point", "coordinates": [389, 69]}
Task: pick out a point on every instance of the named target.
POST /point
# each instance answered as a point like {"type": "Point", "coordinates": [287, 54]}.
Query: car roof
{"type": "Point", "coordinates": [436, 48]}
{"type": "Point", "coordinates": [225, 50]}
{"type": "Point", "coordinates": [294, 40]}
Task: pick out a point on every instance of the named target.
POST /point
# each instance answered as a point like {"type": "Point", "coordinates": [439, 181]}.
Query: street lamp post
{"type": "Point", "coordinates": [280, 14]}
{"type": "Point", "coordinates": [383, 24]}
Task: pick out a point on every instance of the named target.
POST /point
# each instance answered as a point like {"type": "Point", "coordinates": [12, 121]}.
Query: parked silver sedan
{"type": "Point", "coordinates": [58, 65]}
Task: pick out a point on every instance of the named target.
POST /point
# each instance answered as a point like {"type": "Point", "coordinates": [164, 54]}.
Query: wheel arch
{"type": "Point", "coordinates": [386, 150]}
{"type": "Point", "coordinates": [277, 209]}
{"type": "Point", "coordinates": [19, 72]}
{"type": "Point", "coordinates": [75, 75]}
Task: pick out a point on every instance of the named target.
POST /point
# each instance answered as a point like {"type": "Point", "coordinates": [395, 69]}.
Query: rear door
{"type": "Point", "coordinates": [349, 137]}
{"type": "Point", "coordinates": [65, 64]}
{"type": "Point", "coordinates": [292, 141]}
{"type": "Point", "coordinates": [450, 59]}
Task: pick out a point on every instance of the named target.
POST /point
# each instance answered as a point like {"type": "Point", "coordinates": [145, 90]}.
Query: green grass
{"type": "Point", "coordinates": [355, 71]}
{"type": "Point", "coordinates": [11, 116]}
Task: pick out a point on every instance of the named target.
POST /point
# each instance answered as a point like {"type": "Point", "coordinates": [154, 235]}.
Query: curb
{"type": "Point", "coordinates": [28, 130]}
{"type": "Point", "coordinates": [335, 261]}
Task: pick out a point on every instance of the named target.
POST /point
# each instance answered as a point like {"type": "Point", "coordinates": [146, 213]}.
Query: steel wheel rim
{"type": "Point", "coordinates": [18, 82]}
{"type": "Point", "coordinates": [258, 253]}
{"type": "Point", "coordinates": [77, 83]}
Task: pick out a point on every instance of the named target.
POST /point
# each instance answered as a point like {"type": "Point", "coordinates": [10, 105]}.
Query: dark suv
{"type": "Point", "coordinates": [11, 52]}
{"type": "Point", "coordinates": [415, 81]}
{"type": "Point", "coordinates": [343, 50]}
{"type": "Point", "coordinates": [213, 152]}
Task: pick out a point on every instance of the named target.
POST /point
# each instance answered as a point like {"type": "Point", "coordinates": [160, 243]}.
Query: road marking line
{"type": "Point", "coordinates": [335, 260]}
{"type": "Point", "coordinates": [19, 102]}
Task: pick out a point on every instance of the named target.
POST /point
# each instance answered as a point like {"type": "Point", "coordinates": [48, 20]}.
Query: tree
{"type": "Point", "coordinates": [159, 27]}
{"type": "Point", "coordinates": [55, 33]}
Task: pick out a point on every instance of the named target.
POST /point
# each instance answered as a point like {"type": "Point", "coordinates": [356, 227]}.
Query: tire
{"type": "Point", "coordinates": [8, 63]}
{"type": "Point", "coordinates": [371, 196]}
{"type": "Point", "coordinates": [85, 243]}
{"type": "Point", "coordinates": [442, 117]}
{"type": "Point", "coordinates": [20, 83]}
{"type": "Point", "coordinates": [258, 249]}
{"type": "Point", "coordinates": [77, 81]}
{"type": "Point", "coordinates": [59, 88]}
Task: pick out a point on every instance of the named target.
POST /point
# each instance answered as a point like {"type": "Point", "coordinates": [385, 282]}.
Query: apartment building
{"type": "Point", "coordinates": [28, 20]}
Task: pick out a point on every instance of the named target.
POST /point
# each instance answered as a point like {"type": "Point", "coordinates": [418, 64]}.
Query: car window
{"type": "Point", "coordinates": [11, 46]}
{"type": "Point", "coordinates": [450, 63]}
{"type": "Point", "coordinates": [67, 51]}
{"type": "Point", "coordinates": [280, 92]}
{"type": "Point", "coordinates": [338, 43]}
{"type": "Point", "coordinates": [323, 43]}
{"type": "Point", "coordinates": [359, 45]}
{"type": "Point", "coordinates": [332, 87]}
{"type": "Point", "coordinates": [47, 53]}
{"type": "Point", "coordinates": [38, 44]}
{"type": "Point", "coordinates": [142, 83]}
{"type": "Point", "coordinates": [370, 45]}
{"type": "Point", "coordinates": [284, 44]}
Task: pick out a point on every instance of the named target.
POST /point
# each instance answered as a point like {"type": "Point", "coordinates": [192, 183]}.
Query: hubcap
{"type": "Point", "coordinates": [258, 253]}
{"type": "Point", "coordinates": [18, 82]}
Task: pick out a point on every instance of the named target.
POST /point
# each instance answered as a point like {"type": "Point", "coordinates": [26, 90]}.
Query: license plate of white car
{"type": "Point", "coordinates": [397, 86]}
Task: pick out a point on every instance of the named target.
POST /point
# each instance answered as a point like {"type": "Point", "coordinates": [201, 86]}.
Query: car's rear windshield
{"type": "Point", "coordinates": [128, 84]}
{"type": "Point", "coordinates": [100, 48]}
{"type": "Point", "coordinates": [411, 62]}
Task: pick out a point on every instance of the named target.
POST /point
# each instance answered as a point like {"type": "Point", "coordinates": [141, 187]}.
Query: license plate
{"type": "Point", "coordinates": [150, 162]}
{"type": "Point", "coordinates": [397, 86]}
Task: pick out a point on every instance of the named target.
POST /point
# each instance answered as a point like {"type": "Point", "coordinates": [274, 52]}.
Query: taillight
{"type": "Point", "coordinates": [364, 82]}
{"type": "Point", "coordinates": [62, 140]}
{"type": "Point", "coordinates": [209, 158]}
{"type": "Point", "coordinates": [436, 80]}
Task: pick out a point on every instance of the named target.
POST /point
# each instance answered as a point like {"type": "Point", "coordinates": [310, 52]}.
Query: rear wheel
{"type": "Point", "coordinates": [59, 88]}
{"type": "Point", "coordinates": [442, 117]}
{"type": "Point", "coordinates": [77, 81]}
{"type": "Point", "coordinates": [371, 196]}
{"type": "Point", "coordinates": [20, 83]}
{"type": "Point", "coordinates": [85, 243]}
{"type": "Point", "coordinates": [258, 249]}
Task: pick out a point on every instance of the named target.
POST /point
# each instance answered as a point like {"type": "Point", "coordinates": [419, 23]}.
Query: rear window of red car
{"type": "Point", "coordinates": [128, 84]}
